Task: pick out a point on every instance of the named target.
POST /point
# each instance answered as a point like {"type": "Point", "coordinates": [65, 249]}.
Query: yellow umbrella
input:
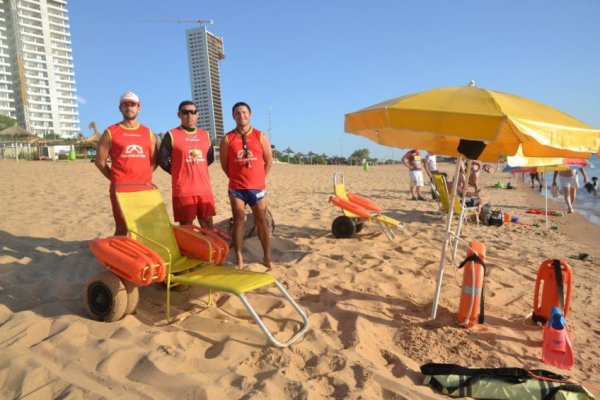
{"type": "Point", "coordinates": [435, 120]}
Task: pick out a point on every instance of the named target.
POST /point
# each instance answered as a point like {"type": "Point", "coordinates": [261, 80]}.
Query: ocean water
{"type": "Point", "coordinates": [586, 204]}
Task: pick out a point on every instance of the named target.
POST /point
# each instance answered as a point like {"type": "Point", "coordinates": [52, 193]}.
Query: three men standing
{"type": "Point", "coordinates": [185, 153]}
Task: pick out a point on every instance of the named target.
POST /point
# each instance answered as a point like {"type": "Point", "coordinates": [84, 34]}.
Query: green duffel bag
{"type": "Point", "coordinates": [501, 383]}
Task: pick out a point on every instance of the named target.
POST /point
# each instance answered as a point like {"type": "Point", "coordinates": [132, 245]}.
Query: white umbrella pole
{"type": "Point", "coordinates": [438, 287]}
{"type": "Point", "coordinates": [546, 196]}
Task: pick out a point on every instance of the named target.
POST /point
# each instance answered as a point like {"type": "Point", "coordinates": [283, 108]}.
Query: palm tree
{"type": "Point", "coordinates": [288, 151]}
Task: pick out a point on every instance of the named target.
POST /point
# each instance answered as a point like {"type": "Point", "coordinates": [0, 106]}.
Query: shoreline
{"type": "Point", "coordinates": [576, 225]}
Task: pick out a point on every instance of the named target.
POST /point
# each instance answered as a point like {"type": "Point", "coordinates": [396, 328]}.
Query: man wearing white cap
{"type": "Point", "coordinates": [131, 147]}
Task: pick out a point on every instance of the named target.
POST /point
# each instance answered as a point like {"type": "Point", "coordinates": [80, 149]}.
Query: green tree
{"type": "Point", "coordinates": [6, 122]}
{"type": "Point", "coordinates": [361, 154]}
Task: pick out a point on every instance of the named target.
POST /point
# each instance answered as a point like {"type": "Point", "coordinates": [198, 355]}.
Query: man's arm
{"type": "Point", "coordinates": [267, 154]}
{"type": "Point", "coordinates": [153, 151]}
{"type": "Point", "coordinates": [224, 155]}
{"type": "Point", "coordinates": [404, 161]}
{"type": "Point", "coordinates": [164, 153]}
{"type": "Point", "coordinates": [585, 178]}
{"type": "Point", "coordinates": [210, 157]}
{"type": "Point", "coordinates": [102, 153]}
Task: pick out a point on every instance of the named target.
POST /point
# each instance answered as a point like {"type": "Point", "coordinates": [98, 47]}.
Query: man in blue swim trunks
{"type": "Point", "coordinates": [246, 159]}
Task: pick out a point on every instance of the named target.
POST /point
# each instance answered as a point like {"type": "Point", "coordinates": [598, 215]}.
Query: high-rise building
{"type": "Point", "coordinates": [205, 50]}
{"type": "Point", "coordinates": [37, 81]}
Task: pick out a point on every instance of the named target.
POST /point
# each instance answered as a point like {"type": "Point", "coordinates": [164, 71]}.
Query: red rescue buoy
{"type": "Point", "coordinates": [201, 244]}
{"type": "Point", "coordinates": [366, 203]}
{"type": "Point", "coordinates": [555, 289]}
{"type": "Point", "coordinates": [129, 259]}
{"type": "Point", "coordinates": [354, 208]}
{"type": "Point", "coordinates": [470, 308]}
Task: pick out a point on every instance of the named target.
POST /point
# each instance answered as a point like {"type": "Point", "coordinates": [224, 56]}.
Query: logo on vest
{"type": "Point", "coordinates": [195, 156]}
{"type": "Point", "coordinates": [134, 151]}
{"type": "Point", "coordinates": [241, 157]}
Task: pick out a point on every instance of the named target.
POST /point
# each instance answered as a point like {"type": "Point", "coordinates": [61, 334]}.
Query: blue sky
{"type": "Point", "coordinates": [310, 62]}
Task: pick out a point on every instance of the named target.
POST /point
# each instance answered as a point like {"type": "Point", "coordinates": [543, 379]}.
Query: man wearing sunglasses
{"type": "Point", "coordinates": [246, 160]}
{"type": "Point", "coordinates": [132, 149]}
{"type": "Point", "coordinates": [185, 153]}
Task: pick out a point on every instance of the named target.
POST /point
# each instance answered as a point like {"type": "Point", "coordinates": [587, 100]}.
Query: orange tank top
{"type": "Point", "coordinates": [246, 167]}
{"type": "Point", "coordinates": [130, 154]}
{"type": "Point", "coordinates": [189, 164]}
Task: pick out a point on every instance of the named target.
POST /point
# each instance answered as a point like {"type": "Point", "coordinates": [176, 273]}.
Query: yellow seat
{"type": "Point", "coordinates": [385, 222]}
{"type": "Point", "coordinates": [148, 222]}
{"type": "Point", "coordinates": [441, 188]}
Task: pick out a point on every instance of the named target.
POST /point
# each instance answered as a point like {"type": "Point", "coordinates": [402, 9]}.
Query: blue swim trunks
{"type": "Point", "coordinates": [249, 196]}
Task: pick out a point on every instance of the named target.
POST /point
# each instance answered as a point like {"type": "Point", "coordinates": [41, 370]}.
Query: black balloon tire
{"type": "Point", "coordinates": [133, 297]}
{"type": "Point", "coordinates": [359, 226]}
{"type": "Point", "coordinates": [343, 227]}
{"type": "Point", "coordinates": [105, 297]}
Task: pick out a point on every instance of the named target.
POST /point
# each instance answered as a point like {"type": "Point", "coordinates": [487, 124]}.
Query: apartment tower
{"type": "Point", "coordinates": [37, 81]}
{"type": "Point", "coordinates": [205, 50]}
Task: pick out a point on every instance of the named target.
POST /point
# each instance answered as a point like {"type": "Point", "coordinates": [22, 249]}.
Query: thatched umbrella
{"type": "Point", "coordinates": [288, 151]}
{"type": "Point", "coordinates": [15, 134]}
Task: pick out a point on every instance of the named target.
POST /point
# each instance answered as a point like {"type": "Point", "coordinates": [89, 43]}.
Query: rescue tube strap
{"type": "Point", "coordinates": [559, 283]}
{"type": "Point", "coordinates": [477, 259]}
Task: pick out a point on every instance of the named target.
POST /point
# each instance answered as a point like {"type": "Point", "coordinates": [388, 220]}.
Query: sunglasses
{"type": "Point", "coordinates": [245, 148]}
{"type": "Point", "coordinates": [189, 112]}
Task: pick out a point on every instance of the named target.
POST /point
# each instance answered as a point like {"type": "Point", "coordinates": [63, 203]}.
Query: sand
{"type": "Point", "coordinates": [368, 298]}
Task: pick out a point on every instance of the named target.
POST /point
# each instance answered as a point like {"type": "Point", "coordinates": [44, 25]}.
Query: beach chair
{"type": "Point", "coordinates": [357, 210]}
{"type": "Point", "coordinates": [154, 252]}
{"type": "Point", "coordinates": [441, 188]}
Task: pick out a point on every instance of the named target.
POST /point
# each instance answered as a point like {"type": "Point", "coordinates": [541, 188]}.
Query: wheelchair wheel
{"type": "Point", "coordinates": [343, 227]}
{"type": "Point", "coordinates": [359, 226]}
{"type": "Point", "coordinates": [105, 297]}
{"type": "Point", "coordinates": [133, 296]}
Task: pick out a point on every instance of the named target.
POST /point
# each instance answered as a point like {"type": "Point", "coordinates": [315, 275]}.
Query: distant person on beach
{"type": "Point", "coordinates": [412, 161]}
{"type": "Point", "coordinates": [569, 183]}
{"type": "Point", "coordinates": [246, 159]}
{"type": "Point", "coordinates": [430, 165]}
{"type": "Point", "coordinates": [474, 175]}
{"type": "Point", "coordinates": [132, 149]}
{"type": "Point", "coordinates": [592, 187]}
{"type": "Point", "coordinates": [536, 176]}
{"type": "Point", "coordinates": [186, 152]}
{"type": "Point", "coordinates": [472, 198]}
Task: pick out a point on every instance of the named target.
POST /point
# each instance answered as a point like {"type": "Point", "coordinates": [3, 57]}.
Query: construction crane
{"type": "Point", "coordinates": [180, 21]}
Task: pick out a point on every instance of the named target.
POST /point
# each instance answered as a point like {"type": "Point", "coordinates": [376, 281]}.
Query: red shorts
{"type": "Point", "coordinates": [187, 208]}
{"type": "Point", "coordinates": [116, 210]}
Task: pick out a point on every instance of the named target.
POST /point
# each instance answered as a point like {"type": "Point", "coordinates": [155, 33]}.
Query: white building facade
{"type": "Point", "coordinates": [37, 79]}
{"type": "Point", "coordinates": [205, 50]}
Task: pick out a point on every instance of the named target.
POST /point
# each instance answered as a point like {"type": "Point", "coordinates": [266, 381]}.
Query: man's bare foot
{"type": "Point", "coordinates": [239, 261]}
{"type": "Point", "coordinates": [570, 211]}
{"type": "Point", "coordinates": [269, 264]}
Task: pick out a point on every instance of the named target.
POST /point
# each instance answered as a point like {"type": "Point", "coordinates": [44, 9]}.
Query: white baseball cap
{"type": "Point", "coordinates": [129, 97]}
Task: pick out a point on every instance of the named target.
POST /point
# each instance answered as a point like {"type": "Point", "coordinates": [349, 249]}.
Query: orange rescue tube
{"type": "Point", "coordinates": [547, 283]}
{"type": "Point", "coordinates": [354, 208]}
{"type": "Point", "coordinates": [129, 259]}
{"type": "Point", "coordinates": [201, 244]}
{"type": "Point", "coordinates": [366, 203]}
{"type": "Point", "coordinates": [471, 293]}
